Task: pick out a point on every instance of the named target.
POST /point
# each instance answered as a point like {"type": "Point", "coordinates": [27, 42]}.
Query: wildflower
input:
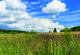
{"type": "Point", "coordinates": [45, 35]}
{"type": "Point", "coordinates": [57, 41]}
{"type": "Point", "coordinates": [48, 37]}
{"type": "Point", "coordinates": [35, 36]}
{"type": "Point", "coordinates": [70, 47]}
{"type": "Point", "coordinates": [6, 40]}
{"type": "Point", "coordinates": [15, 40]}
{"type": "Point", "coordinates": [78, 37]}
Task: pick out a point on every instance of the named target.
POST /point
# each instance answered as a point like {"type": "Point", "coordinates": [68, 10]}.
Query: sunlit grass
{"type": "Point", "coordinates": [40, 44]}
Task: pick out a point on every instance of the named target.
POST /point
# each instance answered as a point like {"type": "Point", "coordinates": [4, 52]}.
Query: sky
{"type": "Point", "coordinates": [39, 15]}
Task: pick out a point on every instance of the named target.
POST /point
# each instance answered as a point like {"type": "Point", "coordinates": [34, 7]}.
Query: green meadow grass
{"type": "Point", "coordinates": [40, 44]}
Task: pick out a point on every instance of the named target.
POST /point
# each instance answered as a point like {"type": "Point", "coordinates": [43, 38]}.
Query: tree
{"type": "Point", "coordinates": [66, 30]}
{"type": "Point", "coordinates": [50, 32]}
{"type": "Point", "coordinates": [54, 30]}
{"type": "Point", "coordinates": [77, 28]}
{"type": "Point", "coordinates": [32, 32]}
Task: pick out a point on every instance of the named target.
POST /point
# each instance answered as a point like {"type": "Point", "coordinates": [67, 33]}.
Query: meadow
{"type": "Point", "coordinates": [40, 44]}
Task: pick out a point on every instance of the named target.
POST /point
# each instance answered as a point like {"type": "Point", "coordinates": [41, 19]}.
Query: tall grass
{"type": "Point", "coordinates": [40, 44]}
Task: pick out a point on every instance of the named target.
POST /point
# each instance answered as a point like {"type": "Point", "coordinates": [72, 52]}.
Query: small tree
{"type": "Point", "coordinates": [50, 32]}
{"type": "Point", "coordinates": [32, 32]}
{"type": "Point", "coordinates": [54, 30]}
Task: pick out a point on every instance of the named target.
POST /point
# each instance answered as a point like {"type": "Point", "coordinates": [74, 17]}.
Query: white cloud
{"type": "Point", "coordinates": [55, 7]}
{"type": "Point", "coordinates": [36, 24]}
{"type": "Point", "coordinates": [73, 12]}
{"type": "Point", "coordinates": [26, 2]}
{"type": "Point", "coordinates": [34, 13]}
{"type": "Point", "coordinates": [69, 17]}
{"type": "Point", "coordinates": [40, 5]}
{"type": "Point", "coordinates": [33, 3]}
{"type": "Point", "coordinates": [2, 6]}
{"type": "Point", "coordinates": [54, 16]}
{"type": "Point", "coordinates": [15, 5]}
{"type": "Point", "coordinates": [19, 19]}
{"type": "Point", "coordinates": [32, 9]}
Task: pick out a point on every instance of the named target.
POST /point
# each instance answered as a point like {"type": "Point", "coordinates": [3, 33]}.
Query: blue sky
{"type": "Point", "coordinates": [40, 15]}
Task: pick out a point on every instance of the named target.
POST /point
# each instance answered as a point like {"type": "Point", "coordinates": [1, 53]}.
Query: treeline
{"type": "Point", "coordinates": [2, 31]}
{"type": "Point", "coordinates": [77, 28]}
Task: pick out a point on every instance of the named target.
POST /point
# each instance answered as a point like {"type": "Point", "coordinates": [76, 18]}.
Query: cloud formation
{"type": "Point", "coordinates": [33, 3]}
{"type": "Point", "coordinates": [14, 15]}
{"type": "Point", "coordinates": [54, 16]}
{"type": "Point", "coordinates": [55, 7]}
{"type": "Point", "coordinates": [15, 5]}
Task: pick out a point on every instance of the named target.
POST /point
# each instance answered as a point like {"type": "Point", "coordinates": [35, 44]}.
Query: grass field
{"type": "Point", "coordinates": [40, 44]}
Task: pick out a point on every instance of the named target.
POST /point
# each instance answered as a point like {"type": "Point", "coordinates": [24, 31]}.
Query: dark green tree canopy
{"type": "Point", "coordinates": [50, 31]}
{"type": "Point", "coordinates": [2, 31]}
{"type": "Point", "coordinates": [54, 30]}
{"type": "Point", "coordinates": [66, 30]}
{"type": "Point", "coordinates": [77, 28]}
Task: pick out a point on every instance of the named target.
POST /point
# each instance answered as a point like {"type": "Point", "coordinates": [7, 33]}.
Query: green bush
{"type": "Point", "coordinates": [13, 33]}
{"type": "Point", "coordinates": [50, 32]}
{"type": "Point", "coordinates": [77, 28]}
{"type": "Point", "coordinates": [66, 30]}
{"type": "Point", "coordinates": [1, 32]}
{"type": "Point", "coordinates": [32, 32]}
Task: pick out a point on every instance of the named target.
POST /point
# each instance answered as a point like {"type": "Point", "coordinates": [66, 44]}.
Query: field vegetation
{"type": "Point", "coordinates": [40, 44]}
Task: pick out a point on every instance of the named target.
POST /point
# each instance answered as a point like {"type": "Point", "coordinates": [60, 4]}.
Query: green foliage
{"type": "Point", "coordinates": [50, 31]}
{"type": "Point", "coordinates": [13, 33]}
{"type": "Point", "coordinates": [26, 32]}
{"type": "Point", "coordinates": [51, 51]}
{"type": "Point", "coordinates": [66, 30]}
{"type": "Point", "coordinates": [68, 37]}
{"type": "Point", "coordinates": [32, 32]}
{"type": "Point", "coordinates": [77, 28]}
{"type": "Point", "coordinates": [54, 30]}
{"type": "Point", "coordinates": [2, 31]}
{"type": "Point", "coordinates": [38, 44]}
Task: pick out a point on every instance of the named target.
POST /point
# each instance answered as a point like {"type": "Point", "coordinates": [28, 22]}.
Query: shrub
{"type": "Point", "coordinates": [32, 32]}
{"type": "Point", "coordinates": [50, 32]}
{"type": "Point", "coordinates": [77, 28]}
{"type": "Point", "coordinates": [1, 32]}
{"type": "Point", "coordinates": [13, 32]}
{"type": "Point", "coordinates": [66, 30]}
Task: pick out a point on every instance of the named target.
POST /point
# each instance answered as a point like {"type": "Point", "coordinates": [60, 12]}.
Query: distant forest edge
{"type": "Point", "coordinates": [2, 31]}
{"type": "Point", "coordinates": [77, 28]}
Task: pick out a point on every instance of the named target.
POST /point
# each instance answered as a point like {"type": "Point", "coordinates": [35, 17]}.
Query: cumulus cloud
{"type": "Point", "coordinates": [14, 15]}
{"type": "Point", "coordinates": [15, 5]}
{"type": "Point", "coordinates": [36, 24]}
{"type": "Point", "coordinates": [55, 7]}
{"type": "Point", "coordinates": [54, 16]}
